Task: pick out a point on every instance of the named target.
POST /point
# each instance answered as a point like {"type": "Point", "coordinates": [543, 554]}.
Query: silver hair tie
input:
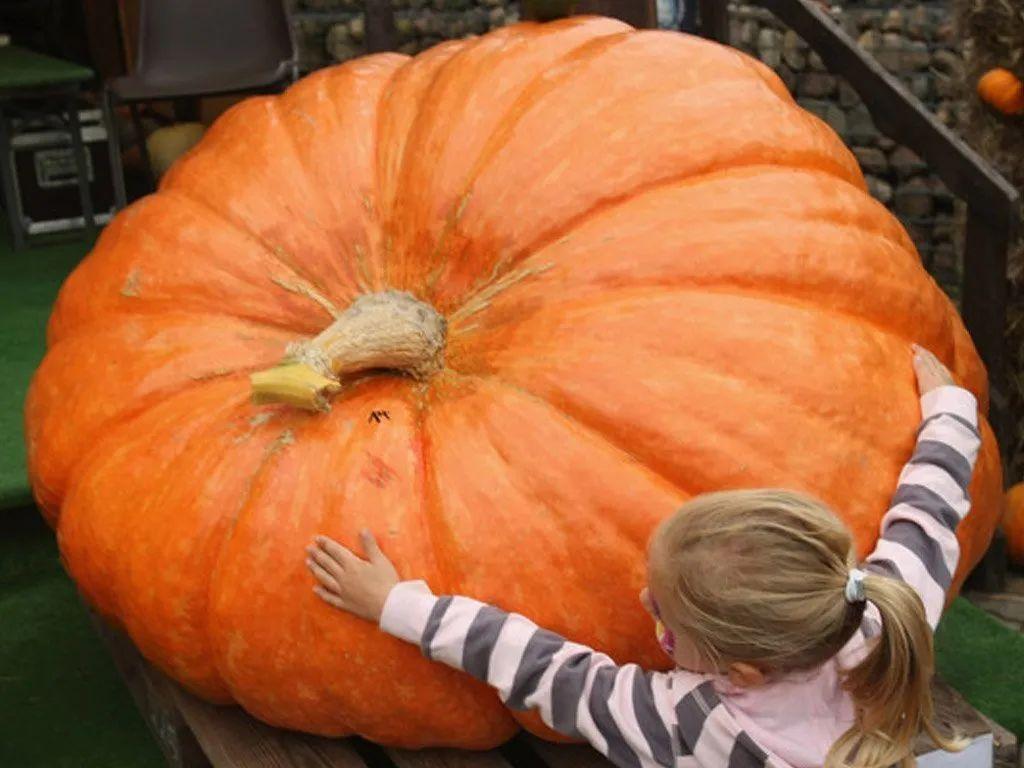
{"type": "Point", "coordinates": [855, 586]}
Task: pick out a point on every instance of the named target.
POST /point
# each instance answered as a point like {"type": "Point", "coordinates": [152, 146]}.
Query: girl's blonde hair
{"type": "Point", "coordinates": [760, 576]}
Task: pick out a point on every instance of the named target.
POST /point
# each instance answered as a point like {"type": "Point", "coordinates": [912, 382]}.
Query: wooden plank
{"type": "Point", "coordinates": [713, 20]}
{"type": "Point", "coordinates": [953, 712]}
{"type": "Point", "coordinates": [984, 300]}
{"type": "Point", "coordinates": [897, 112]}
{"type": "Point", "coordinates": [989, 575]}
{"type": "Point", "coordinates": [381, 34]}
{"type": "Point", "coordinates": [232, 739]}
{"type": "Point", "coordinates": [566, 755]}
{"type": "Point", "coordinates": [154, 696]}
{"type": "Point", "coordinates": [193, 733]}
{"type": "Point", "coordinates": [446, 758]}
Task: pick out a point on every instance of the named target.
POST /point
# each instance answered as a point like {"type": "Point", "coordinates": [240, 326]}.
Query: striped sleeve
{"type": "Point", "coordinates": [918, 536]}
{"type": "Point", "coordinates": [626, 714]}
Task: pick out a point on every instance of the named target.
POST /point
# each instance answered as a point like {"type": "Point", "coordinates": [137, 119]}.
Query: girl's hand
{"type": "Point", "coordinates": [931, 374]}
{"type": "Point", "coordinates": [348, 582]}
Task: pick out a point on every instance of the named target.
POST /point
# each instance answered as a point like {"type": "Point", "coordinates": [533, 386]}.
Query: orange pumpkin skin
{"type": "Point", "coordinates": [1002, 90]}
{"type": "Point", "coordinates": [661, 277]}
{"type": "Point", "coordinates": [1013, 523]}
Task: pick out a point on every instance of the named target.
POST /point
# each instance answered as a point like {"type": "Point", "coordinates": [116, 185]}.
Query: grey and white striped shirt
{"type": "Point", "coordinates": [641, 719]}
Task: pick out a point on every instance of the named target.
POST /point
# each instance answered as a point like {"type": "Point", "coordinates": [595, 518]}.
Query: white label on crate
{"type": "Point", "coordinates": [56, 167]}
{"type": "Point", "coordinates": [977, 754]}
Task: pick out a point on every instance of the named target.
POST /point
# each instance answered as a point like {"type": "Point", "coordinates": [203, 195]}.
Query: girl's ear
{"type": "Point", "coordinates": [645, 600]}
{"type": "Point", "coordinates": [745, 675]}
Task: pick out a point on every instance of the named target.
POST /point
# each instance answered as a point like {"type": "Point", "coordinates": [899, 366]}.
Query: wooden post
{"type": "Point", "coordinates": [380, 26]}
{"type": "Point", "coordinates": [983, 304]}
{"type": "Point", "coordinates": [642, 14]}
{"type": "Point", "coordinates": [713, 21]}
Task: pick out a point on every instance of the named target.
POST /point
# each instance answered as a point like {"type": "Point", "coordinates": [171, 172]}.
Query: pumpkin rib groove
{"type": "Point", "coordinates": [513, 114]}
{"type": "Point", "coordinates": [649, 460]}
{"type": "Point", "coordinates": [134, 550]}
{"type": "Point", "coordinates": [390, 184]}
{"type": "Point", "coordinates": [346, 260]}
{"type": "Point", "coordinates": [783, 220]}
{"type": "Point", "coordinates": [597, 437]}
{"type": "Point", "coordinates": [275, 252]}
{"type": "Point", "coordinates": [577, 415]}
{"type": "Point", "coordinates": [433, 509]}
{"type": "Point", "coordinates": [217, 652]}
{"type": "Point", "coordinates": [278, 107]}
{"type": "Point", "coordinates": [140, 408]}
{"type": "Point", "coordinates": [101, 451]}
{"type": "Point", "coordinates": [216, 148]}
{"type": "Point", "coordinates": [111, 317]}
{"type": "Point", "coordinates": [622, 292]}
{"type": "Point", "coordinates": [867, 442]}
{"type": "Point", "coordinates": [378, 273]}
{"type": "Point", "coordinates": [141, 302]}
{"type": "Point", "coordinates": [604, 206]}
{"type": "Point", "coordinates": [842, 165]}
{"type": "Point", "coordinates": [597, 433]}
{"type": "Point", "coordinates": [466, 308]}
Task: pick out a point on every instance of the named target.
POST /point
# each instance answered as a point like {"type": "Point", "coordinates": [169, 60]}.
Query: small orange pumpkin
{"type": "Point", "coordinates": [1002, 90]}
{"type": "Point", "coordinates": [1013, 523]}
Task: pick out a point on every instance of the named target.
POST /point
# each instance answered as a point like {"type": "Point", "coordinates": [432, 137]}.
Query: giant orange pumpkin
{"type": "Point", "coordinates": [531, 291]}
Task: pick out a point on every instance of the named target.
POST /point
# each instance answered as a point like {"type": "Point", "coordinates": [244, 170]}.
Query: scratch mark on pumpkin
{"type": "Point", "coordinates": [303, 288]}
{"type": "Point", "coordinates": [362, 267]}
{"type": "Point", "coordinates": [367, 204]}
{"type": "Point", "coordinates": [254, 423]}
{"type": "Point", "coordinates": [378, 473]}
{"type": "Point", "coordinates": [463, 203]}
{"type": "Point", "coordinates": [283, 440]}
{"type": "Point", "coordinates": [260, 419]}
{"type": "Point", "coordinates": [131, 284]}
{"type": "Point", "coordinates": [305, 116]}
{"type": "Point", "coordinates": [483, 298]}
{"type": "Point", "coordinates": [211, 374]}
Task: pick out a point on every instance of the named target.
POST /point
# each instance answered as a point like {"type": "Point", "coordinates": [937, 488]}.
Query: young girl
{"type": "Point", "coordinates": [788, 654]}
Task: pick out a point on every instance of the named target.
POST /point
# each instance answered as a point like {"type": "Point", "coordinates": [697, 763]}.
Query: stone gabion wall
{"type": "Point", "coordinates": [917, 43]}
{"type": "Point", "coordinates": [330, 31]}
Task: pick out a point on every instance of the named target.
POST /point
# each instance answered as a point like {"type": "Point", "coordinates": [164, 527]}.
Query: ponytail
{"type": "Point", "coordinates": [891, 686]}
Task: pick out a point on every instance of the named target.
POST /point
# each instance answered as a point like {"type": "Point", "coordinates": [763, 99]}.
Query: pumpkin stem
{"type": "Point", "coordinates": [387, 331]}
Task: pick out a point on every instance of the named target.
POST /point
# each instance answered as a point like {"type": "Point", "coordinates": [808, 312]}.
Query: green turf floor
{"type": "Point", "coordinates": [61, 701]}
{"type": "Point", "coordinates": [28, 285]}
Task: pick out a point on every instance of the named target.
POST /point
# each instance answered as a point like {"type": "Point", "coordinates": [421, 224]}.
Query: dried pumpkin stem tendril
{"type": "Point", "coordinates": [387, 331]}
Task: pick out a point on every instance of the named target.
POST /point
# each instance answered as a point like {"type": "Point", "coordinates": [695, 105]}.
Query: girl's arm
{"type": "Point", "coordinates": [637, 719]}
{"type": "Point", "coordinates": [918, 541]}
{"type": "Point", "coordinates": [624, 712]}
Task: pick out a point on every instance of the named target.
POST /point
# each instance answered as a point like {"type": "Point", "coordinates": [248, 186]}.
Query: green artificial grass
{"type": "Point", "coordinates": [984, 660]}
{"type": "Point", "coordinates": [29, 281]}
{"type": "Point", "coordinates": [62, 703]}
